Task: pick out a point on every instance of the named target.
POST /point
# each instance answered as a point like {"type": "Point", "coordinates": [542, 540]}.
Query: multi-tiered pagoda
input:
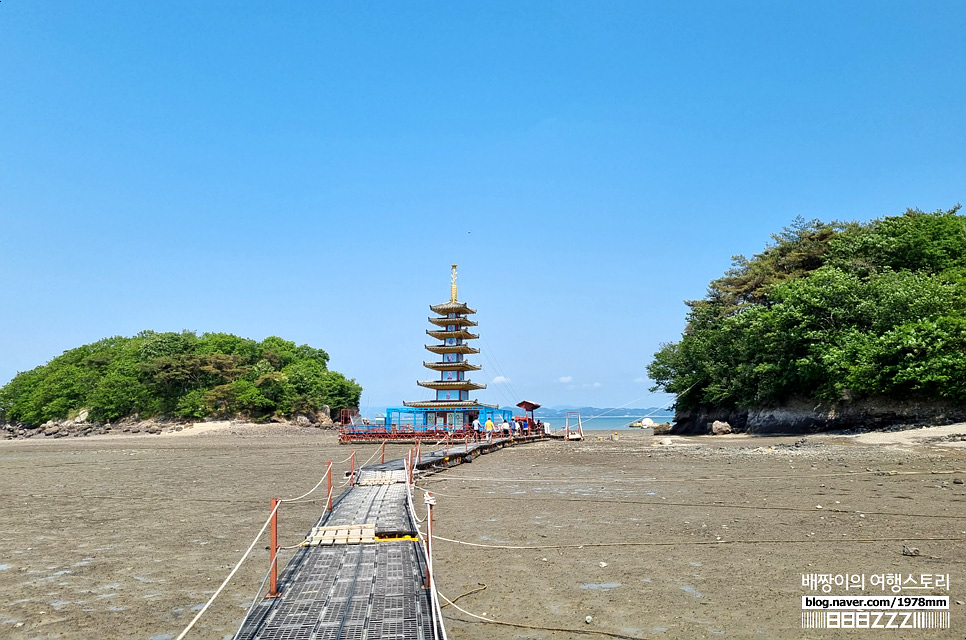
{"type": "Point", "coordinates": [452, 408]}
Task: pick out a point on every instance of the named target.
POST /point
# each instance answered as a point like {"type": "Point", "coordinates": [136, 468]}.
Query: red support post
{"type": "Point", "coordinates": [273, 579]}
{"type": "Point", "coordinates": [382, 458]}
{"type": "Point", "coordinates": [328, 487]}
{"type": "Point", "coordinates": [352, 469]}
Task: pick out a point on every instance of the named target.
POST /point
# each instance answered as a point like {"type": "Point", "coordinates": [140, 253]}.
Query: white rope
{"type": "Point", "coordinates": [294, 546]}
{"type": "Point", "coordinates": [538, 628]}
{"type": "Point", "coordinates": [230, 575]}
{"type": "Point", "coordinates": [409, 497]}
{"type": "Point", "coordinates": [271, 566]}
{"type": "Point", "coordinates": [429, 571]}
{"type": "Point", "coordinates": [434, 600]}
{"type": "Point", "coordinates": [434, 596]}
{"type": "Point", "coordinates": [676, 543]}
{"type": "Point", "coordinates": [252, 546]}
{"type": "Point", "coordinates": [458, 608]}
{"type": "Point", "coordinates": [312, 490]}
{"type": "Point", "coordinates": [374, 454]}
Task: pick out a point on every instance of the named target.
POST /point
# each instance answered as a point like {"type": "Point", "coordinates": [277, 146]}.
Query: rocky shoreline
{"type": "Point", "coordinates": [800, 417]}
{"type": "Point", "coordinates": [80, 427]}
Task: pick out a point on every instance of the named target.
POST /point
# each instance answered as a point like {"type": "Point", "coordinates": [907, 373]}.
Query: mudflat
{"type": "Point", "coordinates": [127, 536]}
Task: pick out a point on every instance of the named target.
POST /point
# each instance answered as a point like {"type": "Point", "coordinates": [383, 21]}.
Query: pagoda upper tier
{"type": "Point", "coordinates": [462, 385]}
{"type": "Point", "coordinates": [453, 306]}
{"type": "Point", "coordinates": [445, 349]}
{"type": "Point", "coordinates": [462, 365]}
{"type": "Point", "coordinates": [460, 322]}
{"type": "Point", "coordinates": [459, 333]}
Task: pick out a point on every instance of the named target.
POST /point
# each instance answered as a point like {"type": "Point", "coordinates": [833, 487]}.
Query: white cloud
{"type": "Point", "coordinates": [565, 379]}
{"type": "Point", "coordinates": [594, 385]}
{"type": "Point", "coordinates": [597, 384]}
{"type": "Point", "coordinates": [640, 380]}
{"type": "Point", "coordinates": [501, 380]}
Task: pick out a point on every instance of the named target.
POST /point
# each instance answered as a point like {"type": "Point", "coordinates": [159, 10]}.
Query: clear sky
{"type": "Point", "coordinates": [311, 169]}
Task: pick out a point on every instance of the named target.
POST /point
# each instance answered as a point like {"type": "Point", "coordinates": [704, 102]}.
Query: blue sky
{"type": "Point", "coordinates": [310, 170]}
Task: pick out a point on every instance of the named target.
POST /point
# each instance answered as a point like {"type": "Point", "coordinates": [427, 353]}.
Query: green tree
{"type": "Point", "coordinates": [829, 312]}
{"type": "Point", "coordinates": [178, 374]}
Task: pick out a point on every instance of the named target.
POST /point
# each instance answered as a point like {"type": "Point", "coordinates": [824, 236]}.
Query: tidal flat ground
{"type": "Point", "coordinates": [128, 536]}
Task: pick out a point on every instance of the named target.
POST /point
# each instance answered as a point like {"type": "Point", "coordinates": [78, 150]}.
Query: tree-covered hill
{"type": "Point", "coordinates": [181, 375]}
{"type": "Point", "coordinates": [832, 313]}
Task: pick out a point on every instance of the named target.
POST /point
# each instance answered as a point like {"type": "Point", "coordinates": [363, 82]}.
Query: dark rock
{"type": "Point", "coordinates": [799, 417]}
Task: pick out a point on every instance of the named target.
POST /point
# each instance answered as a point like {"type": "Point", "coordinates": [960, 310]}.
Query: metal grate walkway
{"type": "Point", "coordinates": [348, 592]}
{"type": "Point", "coordinates": [364, 591]}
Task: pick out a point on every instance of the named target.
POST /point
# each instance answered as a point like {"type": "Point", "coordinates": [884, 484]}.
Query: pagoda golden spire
{"type": "Point", "coordinates": [452, 286]}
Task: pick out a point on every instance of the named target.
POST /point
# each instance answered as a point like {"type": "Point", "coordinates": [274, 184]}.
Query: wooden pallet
{"type": "Point", "coordinates": [368, 482]}
{"type": "Point", "coordinates": [345, 534]}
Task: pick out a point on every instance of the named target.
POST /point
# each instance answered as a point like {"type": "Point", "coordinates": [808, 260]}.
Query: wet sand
{"type": "Point", "coordinates": [127, 536]}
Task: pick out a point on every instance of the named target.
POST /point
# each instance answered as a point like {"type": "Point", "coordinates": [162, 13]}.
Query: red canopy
{"type": "Point", "coordinates": [526, 405]}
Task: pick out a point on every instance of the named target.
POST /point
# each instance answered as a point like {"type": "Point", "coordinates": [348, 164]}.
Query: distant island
{"type": "Point", "coordinates": [179, 376]}
{"type": "Point", "coordinates": [833, 325]}
{"type": "Point", "coordinates": [589, 412]}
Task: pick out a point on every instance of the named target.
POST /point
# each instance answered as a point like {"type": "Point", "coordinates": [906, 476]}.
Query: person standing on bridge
{"type": "Point", "coordinates": [489, 429]}
{"type": "Point", "coordinates": [476, 427]}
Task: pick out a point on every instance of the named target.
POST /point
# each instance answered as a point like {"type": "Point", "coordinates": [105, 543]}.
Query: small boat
{"type": "Point", "coordinates": [643, 423]}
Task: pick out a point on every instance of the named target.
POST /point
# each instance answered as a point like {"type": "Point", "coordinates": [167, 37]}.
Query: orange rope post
{"type": "Point", "coordinates": [328, 487]}
{"type": "Point", "coordinates": [382, 458]}
{"type": "Point", "coordinates": [273, 580]}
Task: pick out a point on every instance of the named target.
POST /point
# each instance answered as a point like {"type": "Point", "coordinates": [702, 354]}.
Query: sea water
{"type": "Point", "coordinates": [605, 423]}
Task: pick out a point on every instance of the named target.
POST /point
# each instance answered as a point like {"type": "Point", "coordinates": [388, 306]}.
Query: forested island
{"type": "Point", "coordinates": [831, 325]}
{"type": "Point", "coordinates": [179, 376]}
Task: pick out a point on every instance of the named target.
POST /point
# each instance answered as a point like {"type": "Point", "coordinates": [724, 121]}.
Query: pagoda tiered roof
{"type": "Point", "coordinates": [442, 335]}
{"type": "Point", "coordinates": [453, 348]}
{"type": "Point", "coordinates": [462, 365]}
{"type": "Point", "coordinates": [461, 321]}
{"type": "Point", "coordinates": [448, 404]}
{"type": "Point", "coordinates": [451, 307]}
{"type": "Point", "coordinates": [462, 385]}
